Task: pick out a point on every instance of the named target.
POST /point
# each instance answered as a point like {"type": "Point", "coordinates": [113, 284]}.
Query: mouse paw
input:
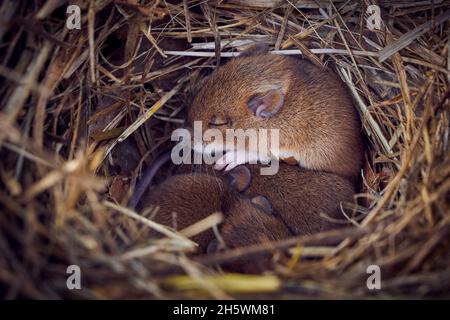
{"type": "Point", "coordinates": [233, 158]}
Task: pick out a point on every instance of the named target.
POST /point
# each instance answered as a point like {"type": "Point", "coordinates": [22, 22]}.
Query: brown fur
{"type": "Point", "coordinates": [185, 199]}
{"type": "Point", "coordinates": [247, 225]}
{"type": "Point", "coordinates": [303, 198]}
{"type": "Point", "coordinates": [318, 125]}
{"type": "Point", "coordinates": [182, 200]}
{"type": "Point", "coordinates": [299, 197]}
{"type": "Point", "coordinates": [317, 121]}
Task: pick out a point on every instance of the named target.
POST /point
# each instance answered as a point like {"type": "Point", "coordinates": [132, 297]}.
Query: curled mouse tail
{"type": "Point", "coordinates": [147, 179]}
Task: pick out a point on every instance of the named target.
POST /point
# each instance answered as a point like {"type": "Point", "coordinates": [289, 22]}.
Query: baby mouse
{"type": "Point", "coordinates": [306, 201]}
{"type": "Point", "coordinates": [303, 199]}
{"type": "Point", "coordinates": [184, 199]}
{"type": "Point", "coordinates": [318, 125]}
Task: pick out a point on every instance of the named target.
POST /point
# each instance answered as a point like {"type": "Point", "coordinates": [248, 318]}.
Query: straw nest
{"type": "Point", "coordinates": [84, 111]}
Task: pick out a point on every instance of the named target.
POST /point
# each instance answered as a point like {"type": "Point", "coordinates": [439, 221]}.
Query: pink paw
{"type": "Point", "coordinates": [234, 158]}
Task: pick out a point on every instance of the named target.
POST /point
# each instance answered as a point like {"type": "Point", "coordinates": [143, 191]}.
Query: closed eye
{"type": "Point", "coordinates": [218, 121]}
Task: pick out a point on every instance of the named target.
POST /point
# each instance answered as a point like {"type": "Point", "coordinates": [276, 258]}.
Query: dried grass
{"type": "Point", "coordinates": [70, 99]}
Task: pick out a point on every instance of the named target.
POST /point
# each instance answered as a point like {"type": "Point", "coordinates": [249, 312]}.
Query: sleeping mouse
{"type": "Point", "coordinates": [318, 125]}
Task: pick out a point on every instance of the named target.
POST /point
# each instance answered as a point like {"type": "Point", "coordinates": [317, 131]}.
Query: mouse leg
{"type": "Point", "coordinates": [233, 158]}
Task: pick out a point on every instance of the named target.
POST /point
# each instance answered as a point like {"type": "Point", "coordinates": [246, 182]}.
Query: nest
{"type": "Point", "coordinates": [84, 111]}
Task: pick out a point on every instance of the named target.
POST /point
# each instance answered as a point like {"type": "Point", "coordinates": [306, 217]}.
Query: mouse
{"type": "Point", "coordinates": [301, 198]}
{"type": "Point", "coordinates": [319, 127]}
{"type": "Point", "coordinates": [257, 208]}
{"type": "Point", "coordinates": [184, 199]}
{"type": "Point", "coordinates": [306, 201]}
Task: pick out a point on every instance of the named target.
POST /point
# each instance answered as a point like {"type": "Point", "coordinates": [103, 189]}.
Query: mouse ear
{"type": "Point", "coordinates": [254, 50]}
{"type": "Point", "coordinates": [263, 203]}
{"type": "Point", "coordinates": [266, 104]}
{"type": "Point", "coordinates": [239, 178]}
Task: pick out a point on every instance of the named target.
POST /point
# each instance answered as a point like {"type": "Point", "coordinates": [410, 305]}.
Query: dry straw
{"type": "Point", "coordinates": [73, 101]}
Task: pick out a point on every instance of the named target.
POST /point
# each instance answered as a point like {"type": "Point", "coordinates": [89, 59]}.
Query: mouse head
{"type": "Point", "coordinates": [246, 93]}
{"type": "Point", "coordinates": [250, 222]}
